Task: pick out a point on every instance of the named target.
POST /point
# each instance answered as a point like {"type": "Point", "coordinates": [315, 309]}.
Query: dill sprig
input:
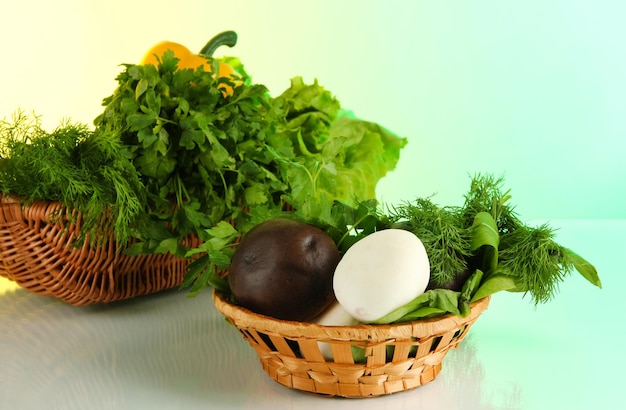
{"type": "Point", "coordinates": [535, 260]}
{"type": "Point", "coordinates": [528, 254]}
{"type": "Point", "coordinates": [35, 164]}
{"type": "Point", "coordinates": [486, 195]}
{"type": "Point", "coordinates": [443, 233]}
{"type": "Point", "coordinates": [88, 171]}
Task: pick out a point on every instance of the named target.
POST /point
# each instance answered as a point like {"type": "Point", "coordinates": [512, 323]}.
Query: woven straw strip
{"type": "Point", "coordinates": [310, 350]}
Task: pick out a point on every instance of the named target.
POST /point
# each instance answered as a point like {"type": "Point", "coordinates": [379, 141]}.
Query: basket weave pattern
{"type": "Point", "coordinates": [397, 357]}
{"type": "Point", "coordinates": [36, 251]}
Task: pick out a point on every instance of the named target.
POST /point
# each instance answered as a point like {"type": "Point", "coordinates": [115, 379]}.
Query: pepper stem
{"type": "Point", "coordinates": [226, 38]}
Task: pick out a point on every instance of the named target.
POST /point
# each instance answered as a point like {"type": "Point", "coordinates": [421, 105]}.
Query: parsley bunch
{"type": "Point", "coordinates": [200, 155]}
{"type": "Point", "coordinates": [216, 165]}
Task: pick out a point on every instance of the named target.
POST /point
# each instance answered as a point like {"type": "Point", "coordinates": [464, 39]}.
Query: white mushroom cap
{"type": "Point", "coordinates": [381, 272]}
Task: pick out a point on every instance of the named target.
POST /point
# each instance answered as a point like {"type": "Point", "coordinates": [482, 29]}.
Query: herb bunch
{"type": "Point", "coordinates": [83, 169]}
{"type": "Point", "coordinates": [527, 254]}
{"type": "Point", "coordinates": [475, 250]}
{"type": "Point", "coordinates": [209, 161]}
{"type": "Point", "coordinates": [200, 155]}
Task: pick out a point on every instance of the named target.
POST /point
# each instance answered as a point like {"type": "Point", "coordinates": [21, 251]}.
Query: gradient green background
{"type": "Point", "coordinates": [531, 90]}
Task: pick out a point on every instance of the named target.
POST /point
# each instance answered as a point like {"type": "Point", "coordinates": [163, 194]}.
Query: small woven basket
{"type": "Point", "coordinates": [36, 252]}
{"type": "Point", "coordinates": [396, 357]}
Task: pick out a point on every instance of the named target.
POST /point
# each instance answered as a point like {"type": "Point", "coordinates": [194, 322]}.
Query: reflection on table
{"type": "Point", "coordinates": [169, 350]}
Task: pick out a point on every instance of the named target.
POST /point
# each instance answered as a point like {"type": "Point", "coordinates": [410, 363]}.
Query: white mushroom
{"type": "Point", "coordinates": [381, 272]}
{"type": "Point", "coordinates": [335, 315]}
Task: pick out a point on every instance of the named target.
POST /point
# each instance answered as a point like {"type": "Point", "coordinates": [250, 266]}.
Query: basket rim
{"type": "Point", "coordinates": [244, 318]}
{"type": "Point", "coordinates": [25, 206]}
{"type": "Point", "coordinates": [12, 199]}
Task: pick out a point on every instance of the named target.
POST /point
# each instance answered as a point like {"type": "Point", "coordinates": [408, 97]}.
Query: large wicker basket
{"type": "Point", "coordinates": [397, 357]}
{"type": "Point", "coordinates": [37, 252]}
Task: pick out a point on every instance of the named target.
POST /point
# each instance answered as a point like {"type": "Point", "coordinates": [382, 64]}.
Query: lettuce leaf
{"type": "Point", "coordinates": [335, 156]}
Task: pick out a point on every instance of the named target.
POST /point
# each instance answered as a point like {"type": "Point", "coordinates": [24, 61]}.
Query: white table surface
{"type": "Point", "coordinates": [168, 351]}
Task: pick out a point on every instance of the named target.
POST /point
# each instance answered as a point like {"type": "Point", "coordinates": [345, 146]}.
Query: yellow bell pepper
{"type": "Point", "coordinates": [193, 61]}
